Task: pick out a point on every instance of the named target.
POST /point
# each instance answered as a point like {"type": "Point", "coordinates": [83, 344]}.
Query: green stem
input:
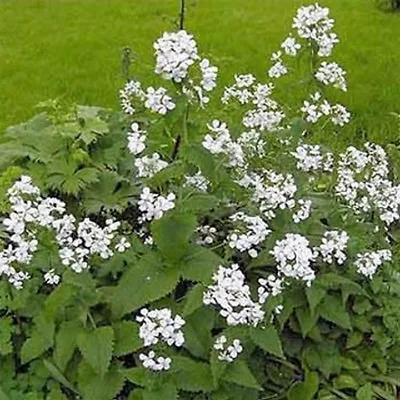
{"type": "Point", "coordinates": [182, 16]}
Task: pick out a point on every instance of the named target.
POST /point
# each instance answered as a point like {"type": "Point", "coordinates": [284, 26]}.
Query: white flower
{"type": "Point", "coordinates": [310, 158]}
{"type": "Point", "coordinates": [332, 74]}
{"type": "Point", "coordinates": [209, 75]}
{"type": "Point", "coordinates": [294, 257]}
{"type": "Point", "coordinates": [272, 286]}
{"type": "Point", "coordinates": [131, 89]}
{"type": "Point", "coordinates": [148, 166]}
{"type": "Point", "coordinates": [175, 52]}
{"type": "Point", "coordinates": [158, 101]}
{"type": "Point", "coordinates": [368, 263]}
{"type": "Point", "coordinates": [155, 364]}
{"type": "Point", "coordinates": [249, 233]}
{"type": "Point", "coordinates": [230, 293]}
{"type": "Point", "coordinates": [290, 46]}
{"type": "Point", "coordinates": [230, 353]}
{"type": "Point", "coordinates": [197, 181]}
{"type": "Point", "coordinates": [207, 234]}
{"type": "Point", "coordinates": [159, 325]}
{"type": "Point", "coordinates": [136, 139]}
{"type": "Point", "coordinates": [51, 277]}
{"type": "Point", "coordinates": [153, 206]}
{"type": "Point", "coordinates": [122, 245]}
{"type": "Point", "coordinates": [333, 247]}
{"type": "Point", "coordinates": [303, 212]}
{"type": "Point", "coordinates": [278, 69]}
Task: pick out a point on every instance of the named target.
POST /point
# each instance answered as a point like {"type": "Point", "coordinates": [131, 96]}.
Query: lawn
{"type": "Point", "coordinates": [72, 49]}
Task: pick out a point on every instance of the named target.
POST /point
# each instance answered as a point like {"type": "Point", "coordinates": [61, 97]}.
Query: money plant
{"type": "Point", "coordinates": [201, 243]}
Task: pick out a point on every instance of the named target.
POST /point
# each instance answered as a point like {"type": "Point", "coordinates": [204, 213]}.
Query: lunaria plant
{"type": "Point", "coordinates": [178, 250]}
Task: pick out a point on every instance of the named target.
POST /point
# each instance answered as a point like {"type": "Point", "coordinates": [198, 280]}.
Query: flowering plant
{"type": "Point", "coordinates": [168, 252]}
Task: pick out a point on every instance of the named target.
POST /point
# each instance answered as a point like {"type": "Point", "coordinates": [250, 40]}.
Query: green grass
{"type": "Point", "coordinates": [72, 49]}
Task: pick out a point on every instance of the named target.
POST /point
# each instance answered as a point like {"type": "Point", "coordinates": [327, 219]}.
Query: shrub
{"type": "Point", "coordinates": [163, 253]}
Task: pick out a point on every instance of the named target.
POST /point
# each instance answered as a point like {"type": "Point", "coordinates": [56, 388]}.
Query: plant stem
{"type": "Point", "coordinates": [182, 16]}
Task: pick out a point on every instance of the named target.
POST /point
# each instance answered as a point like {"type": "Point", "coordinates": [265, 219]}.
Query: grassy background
{"type": "Point", "coordinates": [72, 49]}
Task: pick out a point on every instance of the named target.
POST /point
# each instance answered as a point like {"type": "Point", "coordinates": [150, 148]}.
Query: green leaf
{"type": "Point", "coordinates": [144, 282]}
{"type": "Point", "coordinates": [171, 234]}
{"type": "Point", "coordinates": [239, 373]}
{"type": "Point", "coordinates": [194, 300]}
{"type": "Point", "coordinates": [57, 375]}
{"type": "Point", "coordinates": [41, 339]}
{"type": "Point", "coordinates": [332, 310]}
{"type": "Point", "coordinates": [315, 293]}
{"type": "Point", "coordinates": [139, 376]}
{"type": "Point", "coordinates": [192, 376]}
{"type": "Point", "coordinates": [268, 339]}
{"type": "Point", "coordinates": [6, 330]}
{"type": "Point", "coordinates": [197, 331]}
{"type": "Point", "coordinates": [65, 343]}
{"type": "Point", "coordinates": [218, 367]}
{"type": "Point", "coordinates": [95, 387]}
{"type": "Point", "coordinates": [166, 391]}
{"type": "Point", "coordinates": [200, 203]}
{"type": "Point", "coordinates": [345, 382]}
{"type": "Point", "coordinates": [97, 347]}
{"type": "Point", "coordinates": [365, 392]}
{"type": "Point", "coordinates": [305, 390]}
{"type": "Point", "coordinates": [199, 264]}
{"type": "Point", "coordinates": [306, 320]}
{"type": "Point", "coordinates": [127, 338]}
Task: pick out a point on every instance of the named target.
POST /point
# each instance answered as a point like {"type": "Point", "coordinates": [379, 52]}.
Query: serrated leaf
{"type": "Point", "coordinates": [41, 339]}
{"type": "Point", "coordinates": [97, 347]}
{"type": "Point", "coordinates": [166, 391]}
{"type": "Point", "coordinates": [127, 338]}
{"type": "Point", "coordinates": [192, 376]}
{"type": "Point", "coordinates": [144, 282]}
{"type": "Point", "coordinates": [6, 330]}
{"type": "Point", "coordinates": [139, 376]}
{"type": "Point", "coordinates": [268, 339]}
{"type": "Point", "coordinates": [65, 343]}
{"type": "Point", "coordinates": [365, 392]}
{"type": "Point", "coordinates": [306, 320]}
{"type": "Point", "coordinates": [171, 234]}
{"type": "Point", "coordinates": [194, 300]}
{"type": "Point", "coordinates": [239, 373]}
{"type": "Point", "coordinates": [305, 390]}
{"type": "Point", "coordinates": [200, 203]}
{"type": "Point", "coordinates": [197, 332]}
{"type": "Point", "coordinates": [199, 264]}
{"type": "Point", "coordinates": [94, 387]}
{"type": "Point", "coordinates": [315, 293]}
{"type": "Point", "coordinates": [332, 309]}
{"type": "Point", "coordinates": [58, 376]}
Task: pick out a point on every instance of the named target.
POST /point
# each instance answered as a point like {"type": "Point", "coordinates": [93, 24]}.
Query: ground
{"type": "Point", "coordinates": [72, 49]}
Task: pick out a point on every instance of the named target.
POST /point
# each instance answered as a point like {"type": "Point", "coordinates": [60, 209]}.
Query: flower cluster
{"type": "Point", "coordinates": [159, 326]}
{"type": "Point", "coordinates": [364, 184]}
{"type": "Point", "coordinates": [294, 257]}
{"type": "Point", "coordinates": [29, 212]}
{"type": "Point", "coordinates": [232, 295]}
{"type": "Point", "coordinates": [368, 263]}
{"type": "Point", "coordinates": [206, 234]}
{"type": "Point", "coordinates": [318, 107]}
{"type": "Point", "coordinates": [153, 206]}
{"type": "Point", "coordinates": [272, 286]}
{"type": "Point", "coordinates": [333, 247]}
{"type": "Point", "coordinates": [250, 232]}
{"type": "Point", "coordinates": [197, 181]}
{"type": "Point", "coordinates": [303, 212]}
{"type": "Point", "coordinates": [227, 353]}
{"type": "Point", "coordinates": [310, 158]}
{"type": "Point", "coordinates": [332, 74]}
{"type": "Point", "coordinates": [136, 139]}
{"type": "Point", "coordinates": [148, 166]}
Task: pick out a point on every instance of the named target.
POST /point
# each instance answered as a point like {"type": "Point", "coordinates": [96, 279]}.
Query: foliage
{"type": "Point", "coordinates": [265, 305]}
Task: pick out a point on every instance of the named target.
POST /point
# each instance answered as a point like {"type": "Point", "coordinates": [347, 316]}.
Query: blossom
{"type": "Point", "coordinates": [332, 74]}
{"type": "Point", "coordinates": [148, 166]}
{"type": "Point", "coordinates": [230, 293]}
{"type": "Point", "coordinates": [51, 278]}
{"type": "Point", "coordinates": [249, 233]}
{"type": "Point", "coordinates": [303, 212]}
{"type": "Point", "coordinates": [294, 257]}
{"type": "Point", "coordinates": [333, 247]}
{"type": "Point", "coordinates": [153, 206]}
{"type": "Point", "coordinates": [157, 100]}
{"type": "Point", "coordinates": [155, 364]}
{"type": "Point", "coordinates": [272, 286]}
{"type": "Point", "coordinates": [279, 68]}
{"type": "Point", "coordinates": [368, 263]}
{"type": "Point", "coordinates": [230, 353]}
{"type": "Point", "coordinates": [290, 46]}
{"type": "Point", "coordinates": [131, 89]}
{"type": "Point", "coordinates": [197, 181]}
{"type": "Point", "coordinates": [175, 52]}
{"type": "Point", "coordinates": [209, 75]}
{"type": "Point", "coordinates": [310, 158]}
{"type": "Point", "coordinates": [206, 234]}
{"type": "Point", "coordinates": [136, 139]}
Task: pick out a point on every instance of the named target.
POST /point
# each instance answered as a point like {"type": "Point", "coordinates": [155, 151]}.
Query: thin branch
{"type": "Point", "coordinates": [182, 16]}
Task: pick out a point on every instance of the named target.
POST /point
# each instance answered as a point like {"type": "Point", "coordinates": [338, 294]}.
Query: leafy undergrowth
{"type": "Point", "coordinates": [160, 253]}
